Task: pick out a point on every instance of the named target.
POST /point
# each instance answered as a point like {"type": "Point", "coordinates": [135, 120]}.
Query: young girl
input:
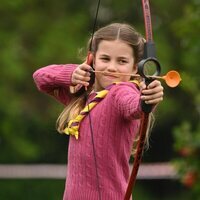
{"type": "Point", "coordinates": [102, 139]}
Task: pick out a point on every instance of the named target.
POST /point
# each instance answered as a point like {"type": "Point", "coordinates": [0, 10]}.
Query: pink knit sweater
{"type": "Point", "coordinates": [115, 122]}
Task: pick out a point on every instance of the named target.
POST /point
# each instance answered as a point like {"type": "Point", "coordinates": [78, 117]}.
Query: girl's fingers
{"type": "Point", "coordinates": [152, 88]}
{"type": "Point", "coordinates": [153, 94]}
{"type": "Point", "coordinates": [84, 67]}
{"type": "Point", "coordinates": [79, 79]}
{"type": "Point", "coordinates": [152, 99]}
{"type": "Point", "coordinates": [152, 91]}
{"type": "Point", "coordinates": [81, 75]}
{"type": "Point", "coordinates": [86, 84]}
{"type": "Point", "coordinates": [83, 72]}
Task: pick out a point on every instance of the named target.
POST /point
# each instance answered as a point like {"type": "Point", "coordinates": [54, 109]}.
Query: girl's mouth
{"type": "Point", "coordinates": [110, 75]}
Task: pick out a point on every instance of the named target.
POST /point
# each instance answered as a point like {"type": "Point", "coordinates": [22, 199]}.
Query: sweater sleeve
{"type": "Point", "coordinates": [55, 81]}
{"type": "Point", "coordinates": [126, 100]}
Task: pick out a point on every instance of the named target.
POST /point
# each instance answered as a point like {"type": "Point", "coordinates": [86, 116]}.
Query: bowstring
{"type": "Point", "coordinates": [94, 25]}
{"type": "Point", "coordinates": [89, 115]}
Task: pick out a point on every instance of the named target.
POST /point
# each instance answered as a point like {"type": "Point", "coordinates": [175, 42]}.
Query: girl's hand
{"type": "Point", "coordinates": [153, 93]}
{"type": "Point", "coordinates": [81, 75]}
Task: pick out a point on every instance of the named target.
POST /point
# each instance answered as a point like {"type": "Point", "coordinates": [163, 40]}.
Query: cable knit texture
{"type": "Point", "coordinates": [115, 123]}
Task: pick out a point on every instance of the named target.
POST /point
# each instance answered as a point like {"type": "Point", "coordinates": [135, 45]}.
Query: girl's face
{"type": "Point", "coordinates": [113, 57]}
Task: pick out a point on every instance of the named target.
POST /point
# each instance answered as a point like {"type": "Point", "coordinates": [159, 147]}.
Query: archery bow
{"type": "Point", "coordinates": [149, 57]}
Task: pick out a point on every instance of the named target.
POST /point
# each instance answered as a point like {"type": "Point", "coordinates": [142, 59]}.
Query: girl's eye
{"type": "Point", "coordinates": [104, 59]}
{"type": "Point", "coordinates": [122, 62]}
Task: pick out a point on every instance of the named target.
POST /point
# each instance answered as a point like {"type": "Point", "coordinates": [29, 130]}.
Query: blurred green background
{"type": "Point", "coordinates": [35, 33]}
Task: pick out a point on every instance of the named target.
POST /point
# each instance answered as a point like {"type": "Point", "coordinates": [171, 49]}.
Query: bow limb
{"type": "Point", "coordinates": [138, 157]}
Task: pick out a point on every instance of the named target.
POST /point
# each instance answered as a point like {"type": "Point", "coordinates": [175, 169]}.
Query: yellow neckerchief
{"type": "Point", "coordinates": [74, 124]}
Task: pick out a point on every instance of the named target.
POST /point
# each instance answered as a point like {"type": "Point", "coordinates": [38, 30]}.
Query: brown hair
{"type": "Point", "coordinates": [114, 31]}
{"type": "Point", "coordinates": [119, 31]}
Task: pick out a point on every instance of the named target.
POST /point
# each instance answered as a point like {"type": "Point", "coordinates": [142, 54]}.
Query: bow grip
{"type": "Point", "coordinates": [147, 108]}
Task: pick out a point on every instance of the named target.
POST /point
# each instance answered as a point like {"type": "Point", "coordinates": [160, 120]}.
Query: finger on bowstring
{"type": "Point", "coordinates": [83, 83]}
{"type": "Point", "coordinates": [83, 77]}
{"type": "Point", "coordinates": [85, 69]}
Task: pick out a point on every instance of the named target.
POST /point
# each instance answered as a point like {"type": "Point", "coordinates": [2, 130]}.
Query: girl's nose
{"type": "Point", "coordinates": [112, 66]}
